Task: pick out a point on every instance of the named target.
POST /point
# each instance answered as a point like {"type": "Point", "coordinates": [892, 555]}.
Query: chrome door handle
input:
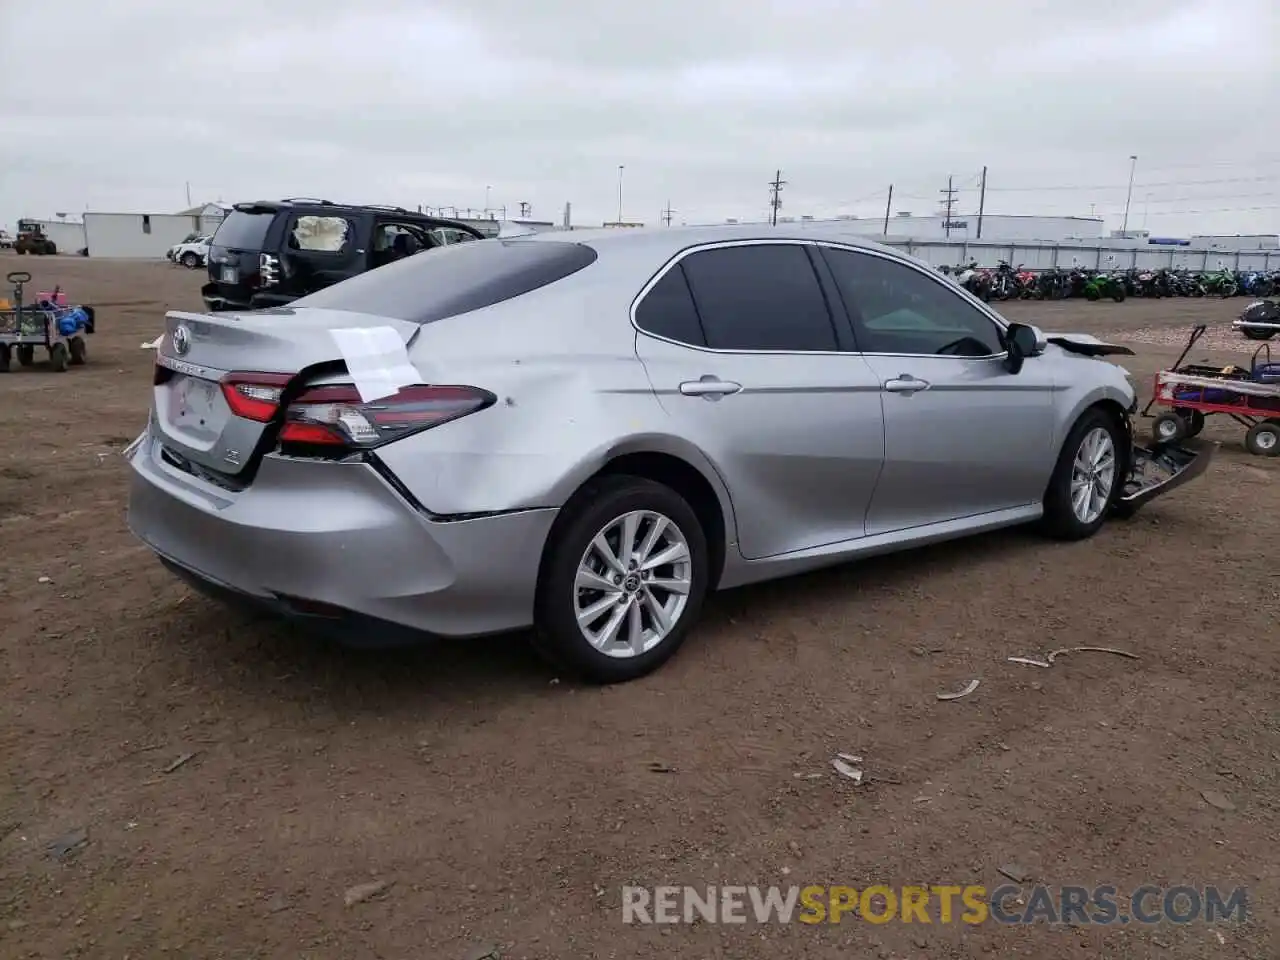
{"type": "Point", "coordinates": [905, 383]}
{"type": "Point", "coordinates": [710, 388]}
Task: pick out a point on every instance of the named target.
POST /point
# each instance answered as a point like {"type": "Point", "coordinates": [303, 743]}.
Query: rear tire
{"type": "Point", "coordinates": [26, 354]}
{"type": "Point", "coordinates": [1253, 333]}
{"type": "Point", "coordinates": [4, 357]}
{"type": "Point", "coordinates": [574, 572]}
{"type": "Point", "coordinates": [1263, 439]}
{"type": "Point", "coordinates": [1087, 479]}
{"type": "Point", "coordinates": [1194, 420]}
{"type": "Point", "coordinates": [79, 352]}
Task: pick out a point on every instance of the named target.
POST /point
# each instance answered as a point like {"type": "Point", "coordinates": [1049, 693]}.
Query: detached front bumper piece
{"type": "Point", "coordinates": [1160, 468]}
{"type": "Point", "coordinates": [1256, 325]}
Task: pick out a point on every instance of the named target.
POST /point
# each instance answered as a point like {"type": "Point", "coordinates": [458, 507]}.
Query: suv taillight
{"type": "Point", "coordinates": [336, 417]}
{"type": "Point", "coordinates": [268, 269]}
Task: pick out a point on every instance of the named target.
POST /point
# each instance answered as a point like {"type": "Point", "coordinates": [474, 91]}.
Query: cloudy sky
{"type": "Point", "coordinates": [446, 102]}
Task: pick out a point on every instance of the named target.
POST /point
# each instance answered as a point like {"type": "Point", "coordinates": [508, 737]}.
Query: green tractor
{"type": "Point", "coordinates": [32, 239]}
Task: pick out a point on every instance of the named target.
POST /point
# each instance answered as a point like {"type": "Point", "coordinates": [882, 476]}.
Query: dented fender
{"type": "Point", "coordinates": [491, 462]}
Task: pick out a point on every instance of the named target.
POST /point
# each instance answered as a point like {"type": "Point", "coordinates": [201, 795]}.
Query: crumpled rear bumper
{"type": "Point", "coordinates": [1157, 469]}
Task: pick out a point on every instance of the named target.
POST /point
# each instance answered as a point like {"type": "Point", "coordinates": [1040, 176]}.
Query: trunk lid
{"type": "Point", "coordinates": [197, 428]}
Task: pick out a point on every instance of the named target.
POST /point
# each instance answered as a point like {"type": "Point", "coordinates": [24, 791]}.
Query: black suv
{"type": "Point", "coordinates": [269, 253]}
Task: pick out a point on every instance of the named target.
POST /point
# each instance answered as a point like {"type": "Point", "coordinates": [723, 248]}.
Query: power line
{"type": "Point", "coordinates": [775, 196]}
{"type": "Point", "coordinates": [1125, 186]}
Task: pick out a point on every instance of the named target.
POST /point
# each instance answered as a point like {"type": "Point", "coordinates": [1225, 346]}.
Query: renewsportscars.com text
{"type": "Point", "coordinates": [940, 904]}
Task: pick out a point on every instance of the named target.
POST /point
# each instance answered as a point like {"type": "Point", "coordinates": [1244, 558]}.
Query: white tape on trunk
{"type": "Point", "coordinates": [377, 360]}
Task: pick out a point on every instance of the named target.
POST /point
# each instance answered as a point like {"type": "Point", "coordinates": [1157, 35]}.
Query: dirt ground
{"type": "Point", "coordinates": [507, 809]}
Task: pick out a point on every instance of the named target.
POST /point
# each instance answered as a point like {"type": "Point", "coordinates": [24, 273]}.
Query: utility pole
{"type": "Point", "coordinates": [949, 203]}
{"type": "Point", "coordinates": [666, 214]}
{"type": "Point", "coordinates": [888, 205]}
{"type": "Point", "coordinates": [982, 201]}
{"type": "Point", "coordinates": [188, 193]}
{"type": "Point", "coordinates": [775, 195]}
{"type": "Point", "coordinates": [526, 209]}
{"type": "Point", "coordinates": [1133, 166]}
{"type": "Point", "coordinates": [621, 167]}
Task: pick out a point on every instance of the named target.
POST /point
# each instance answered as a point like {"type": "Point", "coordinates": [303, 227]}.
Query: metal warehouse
{"type": "Point", "coordinates": [147, 235]}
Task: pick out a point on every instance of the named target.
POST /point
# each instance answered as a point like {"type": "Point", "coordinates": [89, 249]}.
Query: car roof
{"type": "Point", "coordinates": [668, 241]}
{"type": "Point", "coordinates": [311, 203]}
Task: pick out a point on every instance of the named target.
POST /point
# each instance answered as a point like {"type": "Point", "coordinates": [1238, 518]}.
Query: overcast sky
{"type": "Point", "coordinates": [117, 106]}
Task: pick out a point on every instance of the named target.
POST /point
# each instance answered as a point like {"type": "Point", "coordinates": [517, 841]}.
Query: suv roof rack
{"type": "Point", "coordinates": [328, 203]}
{"type": "Point", "coordinates": [386, 206]}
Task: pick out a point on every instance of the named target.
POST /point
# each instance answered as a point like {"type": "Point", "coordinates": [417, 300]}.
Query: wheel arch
{"type": "Point", "coordinates": [1108, 403]}
{"type": "Point", "coordinates": [685, 471]}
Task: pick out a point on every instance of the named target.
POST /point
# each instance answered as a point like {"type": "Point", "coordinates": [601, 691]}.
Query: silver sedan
{"type": "Point", "coordinates": [587, 433]}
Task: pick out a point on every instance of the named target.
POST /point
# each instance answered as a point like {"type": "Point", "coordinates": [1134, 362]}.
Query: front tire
{"type": "Point", "coordinates": [622, 581]}
{"type": "Point", "coordinates": [1087, 479]}
{"type": "Point", "coordinates": [190, 260]}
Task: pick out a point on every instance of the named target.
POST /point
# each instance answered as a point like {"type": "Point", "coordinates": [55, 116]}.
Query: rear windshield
{"type": "Point", "coordinates": [446, 281]}
{"type": "Point", "coordinates": [244, 231]}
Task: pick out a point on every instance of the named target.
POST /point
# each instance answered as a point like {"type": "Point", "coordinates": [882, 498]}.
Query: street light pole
{"type": "Point", "coordinates": [486, 200]}
{"type": "Point", "coordinates": [620, 169]}
{"type": "Point", "coordinates": [1133, 165]}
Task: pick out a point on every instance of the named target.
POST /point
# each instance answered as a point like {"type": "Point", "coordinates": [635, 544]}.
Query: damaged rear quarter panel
{"type": "Point", "coordinates": [559, 417]}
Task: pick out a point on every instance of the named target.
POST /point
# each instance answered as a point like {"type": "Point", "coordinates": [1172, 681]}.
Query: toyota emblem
{"type": "Point", "coordinates": [181, 340]}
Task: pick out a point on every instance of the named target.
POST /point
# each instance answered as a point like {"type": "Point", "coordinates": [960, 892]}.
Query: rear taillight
{"type": "Point", "coordinates": [254, 396]}
{"type": "Point", "coordinates": [268, 269]}
{"type": "Point", "coordinates": [335, 416]}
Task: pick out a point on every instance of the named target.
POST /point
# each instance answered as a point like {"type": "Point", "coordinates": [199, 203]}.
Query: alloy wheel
{"type": "Point", "coordinates": [1093, 475]}
{"type": "Point", "coordinates": [632, 584]}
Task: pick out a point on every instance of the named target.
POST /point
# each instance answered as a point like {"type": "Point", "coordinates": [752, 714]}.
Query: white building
{"type": "Point", "coordinates": [210, 216]}
{"type": "Point", "coordinates": [1256, 241]}
{"type": "Point", "coordinates": [995, 226]}
{"type": "Point", "coordinates": [147, 236]}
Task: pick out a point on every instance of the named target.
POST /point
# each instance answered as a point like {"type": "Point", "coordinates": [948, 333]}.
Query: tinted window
{"type": "Point", "coordinates": [898, 309]}
{"type": "Point", "coordinates": [454, 279]}
{"type": "Point", "coordinates": [759, 297]}
{"type": "Point", "coordinates": [244, 231]}
{"type": "Point", "coordinates": [668, 311]}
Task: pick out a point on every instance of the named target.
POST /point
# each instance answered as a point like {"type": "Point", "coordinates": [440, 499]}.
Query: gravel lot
{"type": "Point", "coordinates": [506, 808]}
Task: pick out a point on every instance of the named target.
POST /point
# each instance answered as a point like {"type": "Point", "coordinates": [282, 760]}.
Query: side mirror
{"type": "Point", "coordinates": [1022, 341]}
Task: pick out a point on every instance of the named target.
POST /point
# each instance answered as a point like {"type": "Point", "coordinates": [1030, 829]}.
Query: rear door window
{"type": "Point", "coordinates": [760, 297]}
{"type": "Point", "coordinates": [454, 279]}
{"type": "Point", "coordinates": [667, 310]}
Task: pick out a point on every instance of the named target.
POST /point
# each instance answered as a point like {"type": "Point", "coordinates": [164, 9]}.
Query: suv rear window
{"type": "Point", "coordinates": [455, 279]}
{"type": "Point", "coordinates": [244, 231]}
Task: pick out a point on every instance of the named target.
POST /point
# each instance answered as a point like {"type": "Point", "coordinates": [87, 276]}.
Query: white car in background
{"type": "Point", "coordinates": [192, 254]}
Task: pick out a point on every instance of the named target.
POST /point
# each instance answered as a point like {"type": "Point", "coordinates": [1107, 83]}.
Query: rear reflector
{"type": "Point", "coordinates": [335, 416]}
